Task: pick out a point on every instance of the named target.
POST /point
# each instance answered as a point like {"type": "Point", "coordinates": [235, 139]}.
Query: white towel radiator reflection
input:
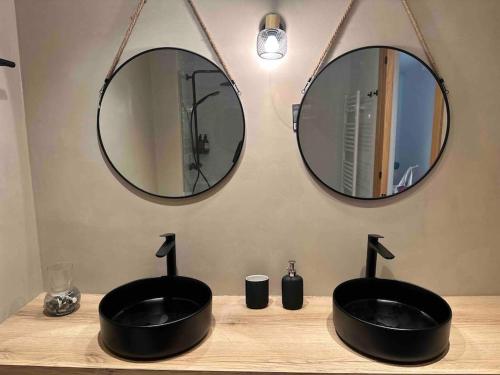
{"type": "Point", "coordinates": [358, 151]}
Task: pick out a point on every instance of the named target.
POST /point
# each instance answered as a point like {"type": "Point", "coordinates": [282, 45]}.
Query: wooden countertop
{"type": "Point", "coordinates": [242, 341]}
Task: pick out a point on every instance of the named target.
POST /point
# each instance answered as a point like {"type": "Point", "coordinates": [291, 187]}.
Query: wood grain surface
{"type": "Point", "coordinates": [242, 341]}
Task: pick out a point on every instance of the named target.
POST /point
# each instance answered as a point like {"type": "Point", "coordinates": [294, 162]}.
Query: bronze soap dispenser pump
{"type": "Point", "coordinates": [292, 288]}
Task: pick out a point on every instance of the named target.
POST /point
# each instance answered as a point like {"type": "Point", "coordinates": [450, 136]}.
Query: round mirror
{"type": "Point", "coordinates": [373, 123]}
{"type": "Point", "coordinates": [170, 123]}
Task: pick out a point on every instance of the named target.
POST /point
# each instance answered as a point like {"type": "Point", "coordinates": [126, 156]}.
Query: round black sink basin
{"type": "Point", "coordinates": [155, 318]}
{"type": "Point", "coordinates": [391, 320]}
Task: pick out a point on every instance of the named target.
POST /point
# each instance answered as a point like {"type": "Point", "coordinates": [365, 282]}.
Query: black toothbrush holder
{"type": "Point", "coordinates": [257, 291]}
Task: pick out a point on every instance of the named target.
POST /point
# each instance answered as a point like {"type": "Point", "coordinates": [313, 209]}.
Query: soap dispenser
{"type": "Point", "coordinates": [292, 288]}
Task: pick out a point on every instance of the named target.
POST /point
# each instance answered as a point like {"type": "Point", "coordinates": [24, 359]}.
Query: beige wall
{"type": "Point", "coordinates": [20, 274]}
{"type": "Point", "coordinates": [444, 233]}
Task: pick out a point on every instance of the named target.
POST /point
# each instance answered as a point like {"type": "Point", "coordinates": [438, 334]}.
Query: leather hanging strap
{"type": "Point", "coordinates": [424, 45]}
{"type": "Point", "coordinates": [329, 46]}
{"type": "Point", "coordinates": [340, 25]}
{"type": "Point", "coordinates": [212, 44]}
{"type": "Point", "coordinates": [133, 21]}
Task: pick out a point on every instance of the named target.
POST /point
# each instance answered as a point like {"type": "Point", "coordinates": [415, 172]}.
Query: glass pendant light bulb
{"type": "Point", "coordinates": [272, 41]}
{"type": "Point", "coordinates": [271, 44]}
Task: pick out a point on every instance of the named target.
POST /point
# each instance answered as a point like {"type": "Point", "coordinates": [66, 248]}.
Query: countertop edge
{"type": "Point", "coordinates": [27, 346]}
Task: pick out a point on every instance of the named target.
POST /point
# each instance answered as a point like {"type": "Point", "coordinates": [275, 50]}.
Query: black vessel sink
{"type": "Point", "coordinates": [388, 319]}
{"type": "Point", "coordinates": [156, 317]}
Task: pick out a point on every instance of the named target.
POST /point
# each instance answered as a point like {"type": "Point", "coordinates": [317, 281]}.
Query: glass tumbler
{"type": "Point", "coordinates": [62, 298]}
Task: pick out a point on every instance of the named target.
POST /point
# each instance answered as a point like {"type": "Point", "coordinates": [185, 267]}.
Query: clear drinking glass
{"type": "Point", "coordinates": [62, 298]}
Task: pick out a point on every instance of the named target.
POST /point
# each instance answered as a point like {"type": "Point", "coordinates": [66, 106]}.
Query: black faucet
{"type": "Point", "coordinates": [373, 248]}
{"type": "Point", "coordinates": [168, 250]}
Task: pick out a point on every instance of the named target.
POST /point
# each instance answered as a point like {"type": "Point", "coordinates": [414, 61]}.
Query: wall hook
{"type": "Point", "coordinates": [7, 63]}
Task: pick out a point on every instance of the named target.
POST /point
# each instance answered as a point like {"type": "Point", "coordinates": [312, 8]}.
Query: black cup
{"type": "Point", "coordinates": [257, 291]}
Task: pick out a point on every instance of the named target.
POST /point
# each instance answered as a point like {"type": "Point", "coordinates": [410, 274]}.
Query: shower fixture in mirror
{"type": "Point", "coordinates": [170, 123]}
{"type": "Point", "coordinates": [373, 122]}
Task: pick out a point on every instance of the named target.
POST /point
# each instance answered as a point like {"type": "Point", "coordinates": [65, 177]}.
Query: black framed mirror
{"type": "Point", "coordinates": [170, 123]}
{"type": "Point", "coordinates": [373, 123]}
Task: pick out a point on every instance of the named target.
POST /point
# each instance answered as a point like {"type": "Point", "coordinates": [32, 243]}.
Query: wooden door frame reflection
{"type": "Point", "coordinates": [386, 73]}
